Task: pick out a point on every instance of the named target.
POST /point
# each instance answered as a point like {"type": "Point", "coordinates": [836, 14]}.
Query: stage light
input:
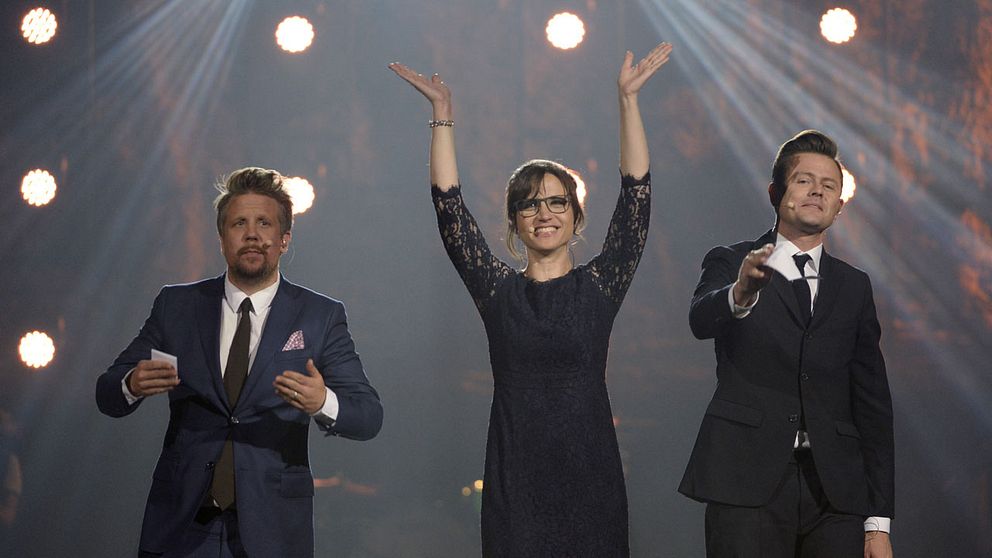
{"type": "Point", "coordinates": [849, 185]}
{"type": "Point", "coordinates": [477, 485]}
{"type": "Point", "coordinates": [38, 26]}
{"type": "Point", "coordinates": [301, 192]}
{"type": "Point", "coordinates": [37, 349]}
{"type": "Point", "coordinates": [38, 187]}
{"type": "Point", "coordinates": [466, 491]}
{"type": "Point", "coordinates": [838, 25]}
{"type": "Point", "coordinates": [565, 30]}
{"type": "Point", "coordinates": [294, 34]}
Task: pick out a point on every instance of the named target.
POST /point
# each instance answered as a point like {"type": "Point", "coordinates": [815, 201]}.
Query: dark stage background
{"type": "Point", "coordinates": [138, 107]}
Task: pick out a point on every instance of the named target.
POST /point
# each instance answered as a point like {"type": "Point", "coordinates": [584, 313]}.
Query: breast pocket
{"type": "Point", "coordinates": [291, 360]}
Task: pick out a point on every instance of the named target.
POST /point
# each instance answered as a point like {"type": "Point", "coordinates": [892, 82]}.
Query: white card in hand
{"type": "Point", "coordinates": [166, 357]}
{"type": "Point", "coordinates": [782, 262]}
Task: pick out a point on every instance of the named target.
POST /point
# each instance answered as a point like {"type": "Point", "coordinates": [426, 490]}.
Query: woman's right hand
{"type": "Point", "coordinates": [434, 89]}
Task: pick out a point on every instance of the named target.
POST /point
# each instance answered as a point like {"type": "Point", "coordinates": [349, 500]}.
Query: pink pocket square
{"type": "Point", "coordinates": [294, 342]}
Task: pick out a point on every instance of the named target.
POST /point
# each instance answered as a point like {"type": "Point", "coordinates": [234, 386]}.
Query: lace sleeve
{"type": "Point", "coordinates": [614, 267]}
{"type": "Point", "coordinates": [479, 269]}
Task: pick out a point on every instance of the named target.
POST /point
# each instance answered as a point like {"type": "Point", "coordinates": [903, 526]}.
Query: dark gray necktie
{"type": "Point", "coordinates": [222, 486]}
{"type": "Point", "coordinates": [801, 287]}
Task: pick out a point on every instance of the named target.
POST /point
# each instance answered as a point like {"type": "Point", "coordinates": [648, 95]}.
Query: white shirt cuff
{"type": "Point", "coordinates": [329, 412]}
{"type": "Point", "coordinates": [737, 310]}
{"type": "Point", "coordinates": [882, 524]}
{"type": "Point", "coordinates": [128, 396]}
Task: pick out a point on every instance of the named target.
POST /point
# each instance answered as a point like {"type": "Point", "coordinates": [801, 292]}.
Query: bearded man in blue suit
{"type": "Point", "coordinates": [256, 358]}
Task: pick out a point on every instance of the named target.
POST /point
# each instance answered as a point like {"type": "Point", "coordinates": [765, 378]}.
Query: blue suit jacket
{"type": "Point", "coordinates": [273, 480]}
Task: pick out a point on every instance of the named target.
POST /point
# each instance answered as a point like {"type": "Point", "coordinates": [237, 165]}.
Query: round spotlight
{"type": "Point", "coordinates": [294, 34]}
{"type": "Point", "coordinates": [848, 187]}
{"type": "Point", "coordinates": [838, 25]}
{"type": "Point", "coordinates": [300, 192]}
{"type": "Point", "coordinates": [38, 187]}
{"type": "Point", "coordinates": [477, 485]}
{"type": "Point", "coordinates": [466, 491]}
{"type": "Point", "coordinates": [38, 26]}
{"type": "Point", "coordinates": [565, 30]}
{"type": "Point", "coordinates": [37, 349]}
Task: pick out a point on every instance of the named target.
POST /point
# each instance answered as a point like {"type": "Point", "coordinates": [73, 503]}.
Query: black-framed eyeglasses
{"type": "Point", "coordinates": [530, 206]}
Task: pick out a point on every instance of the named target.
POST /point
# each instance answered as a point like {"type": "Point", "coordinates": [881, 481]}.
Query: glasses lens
{"type": "Point", "coordinates": [528, 207]}
{"type": "Point", "coordinates": [557, 204]}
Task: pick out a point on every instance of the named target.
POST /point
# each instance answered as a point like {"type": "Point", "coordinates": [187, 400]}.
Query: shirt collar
{"type": "Point", "coordinates": [791, 249]}
{"type": "Point", "coordinates": [262, 299]}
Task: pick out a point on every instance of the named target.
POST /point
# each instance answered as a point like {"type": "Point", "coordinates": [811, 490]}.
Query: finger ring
{"type": "Point", "coordinates": [296, 395]}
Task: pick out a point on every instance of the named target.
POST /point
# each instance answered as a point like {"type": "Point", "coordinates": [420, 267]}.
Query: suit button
{"type": "Point", "coordinates": [804, 376]}
{"type": "Point", "coordinates": [793, 418]}
{"type": "Point", "coordinates": [234, 420]}
{"type": "Point", "coordinates": [809, 336]}
{"type": "Point", "coordinates": [210, 465]}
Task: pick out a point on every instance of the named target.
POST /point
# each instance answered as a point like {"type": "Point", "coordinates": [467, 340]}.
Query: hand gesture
{"type": "Point", "coordinates": [434, 89]}
{"type": "Point", "coordinates": [753, 275]}
{"type": "Point", "coordinates": [152, 377]}
{"type": "Point", "coordinates": [633, 77]}
{"type": "Point", "coordinates": [306, 392]}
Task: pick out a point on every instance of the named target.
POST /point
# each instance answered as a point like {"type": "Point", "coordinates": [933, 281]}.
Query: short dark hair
{"type": "Point", "coordinates": [254, 180]}
{"type": "Point", "coordinates": [807, 141]}
{"type": "Point", "coordinates": [525, 182]}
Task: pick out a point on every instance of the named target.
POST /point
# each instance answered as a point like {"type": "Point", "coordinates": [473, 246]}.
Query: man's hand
{"type": "Point", "coordinates": [306, 392]}
{"type": "Point", "coordinates": [877, 544]}
{"type": "Point", "coordinates": [151, 377]}
{"type": "Point", "coordinates": [752, 275]}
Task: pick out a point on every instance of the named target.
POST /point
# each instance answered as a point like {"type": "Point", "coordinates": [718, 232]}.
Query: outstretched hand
{"type": "Point", "coordinates": [634, 76]}
{"type": "Point", "coordinates": [753, 275]}
{"type": "Point", "coordinates": [433, 88]}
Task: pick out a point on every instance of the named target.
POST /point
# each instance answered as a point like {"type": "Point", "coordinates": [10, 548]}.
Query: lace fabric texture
{"type": "Point", "coordinates": [553, 483]}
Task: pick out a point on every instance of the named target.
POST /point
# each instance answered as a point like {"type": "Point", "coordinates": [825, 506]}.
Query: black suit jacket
{"type": "Point", "coordinates": [772, 371]}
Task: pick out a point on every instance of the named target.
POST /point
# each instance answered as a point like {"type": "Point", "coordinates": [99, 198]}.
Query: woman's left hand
{"type": "Point", "coordinates": [633, 77]}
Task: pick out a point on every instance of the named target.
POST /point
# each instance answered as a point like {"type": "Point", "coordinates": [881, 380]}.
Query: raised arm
{"type": "Point", "coordinates": [615, 265]}
{"type": "Point", "coordinates": [443, 167]}
{"type": "Point", "coordinates": [634, 158]}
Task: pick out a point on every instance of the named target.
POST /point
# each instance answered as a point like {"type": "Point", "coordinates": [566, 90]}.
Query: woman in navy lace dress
{"type": "Point", "coordinates": [553, 483]}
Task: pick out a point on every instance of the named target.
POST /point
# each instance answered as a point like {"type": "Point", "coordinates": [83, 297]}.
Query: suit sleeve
{"type": "Point", "coordinates": [709, 312]}
{"type": "Point", "coordinates": [360, 411]}
{"type": "Point", "coordinates": [109, 397]}
{"type": "Point", "coordinates": [872, 409]}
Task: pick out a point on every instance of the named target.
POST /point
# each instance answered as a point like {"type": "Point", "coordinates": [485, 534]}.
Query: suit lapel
{"type": "Point", "coordinates": [278, 326]}
{"type": "Point", "coordinates": [780, 286]}
{"type": "Point", "coordinates": [208, 322]}
{"type": "Point", "coordinates": [828, 289]}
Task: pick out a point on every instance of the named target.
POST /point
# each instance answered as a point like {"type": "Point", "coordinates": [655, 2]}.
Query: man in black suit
{"type": "Point", "coordinates": [794, 456]}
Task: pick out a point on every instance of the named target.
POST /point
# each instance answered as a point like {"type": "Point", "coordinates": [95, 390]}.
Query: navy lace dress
{"type": "Point", "coordinates": [553, 484]}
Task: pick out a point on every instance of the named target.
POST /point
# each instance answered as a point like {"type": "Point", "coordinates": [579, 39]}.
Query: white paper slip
{"type": "Point", "coordinates": [782, 262]}
{"type": "Point", "coordinates": [166, 357]}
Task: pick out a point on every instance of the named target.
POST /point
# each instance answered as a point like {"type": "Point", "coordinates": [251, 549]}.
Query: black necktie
{"type": "Point", "coordinates": [237, 359]}
{"type": "Point", "coordinates": [801, 287]}
{"type": "Point", "coordinates": [222, 487]}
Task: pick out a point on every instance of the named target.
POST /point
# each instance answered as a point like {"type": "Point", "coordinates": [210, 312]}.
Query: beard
{"type": "Point", "coordinates": [252, 274]}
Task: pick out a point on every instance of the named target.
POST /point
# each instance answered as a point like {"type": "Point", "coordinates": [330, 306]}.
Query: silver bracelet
{"type": "Point", "coordinates": [436, 123]}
